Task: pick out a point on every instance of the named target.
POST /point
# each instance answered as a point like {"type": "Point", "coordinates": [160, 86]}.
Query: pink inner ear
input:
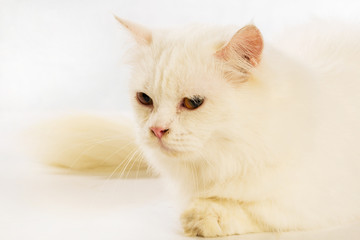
{"type": "Point", "coordinates": [247, 43]}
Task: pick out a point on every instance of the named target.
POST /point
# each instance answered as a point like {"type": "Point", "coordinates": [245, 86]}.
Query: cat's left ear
{"type": "Point", "coordinates": [142, 35]}
{"type": "Point", "coordinates": [246, 44]}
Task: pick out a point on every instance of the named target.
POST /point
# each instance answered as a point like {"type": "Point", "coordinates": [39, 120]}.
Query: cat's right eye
{"type": "Point", "coordinates": [192, 103]}
{"type": "Point", "coordinates": [144, 99]}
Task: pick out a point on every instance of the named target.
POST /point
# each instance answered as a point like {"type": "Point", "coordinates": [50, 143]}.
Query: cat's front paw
{"type": "Point", "coordinates": [202, 219]}
{"type": "Point", "coordinates": [215, 218]}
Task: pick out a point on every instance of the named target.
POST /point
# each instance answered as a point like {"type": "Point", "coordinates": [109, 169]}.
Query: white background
{"type": "Point", "coordinates": [66, 56]}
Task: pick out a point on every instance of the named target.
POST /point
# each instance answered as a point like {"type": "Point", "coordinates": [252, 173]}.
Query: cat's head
{"type": "Point", "coordinates": [187, 86]}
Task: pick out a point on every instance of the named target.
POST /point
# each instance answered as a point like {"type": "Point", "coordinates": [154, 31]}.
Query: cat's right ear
{"type": "Point", "coordinates": [142, 35]}
{"type": "Point", "coordinates": [247, 44]}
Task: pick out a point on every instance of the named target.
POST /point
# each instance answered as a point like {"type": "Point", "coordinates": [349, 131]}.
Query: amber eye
{"type": "Point", "coordinates": [192, 103]}
{"type": "Point", "coordinates": [143, 98]}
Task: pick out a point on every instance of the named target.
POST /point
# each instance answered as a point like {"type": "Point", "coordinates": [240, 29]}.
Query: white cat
{"type": "Point", "coordinates": [254, 136]}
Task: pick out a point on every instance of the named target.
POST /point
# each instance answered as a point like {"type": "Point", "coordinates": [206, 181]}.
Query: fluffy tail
{"type": "Point", "coordinates": [88, 144]}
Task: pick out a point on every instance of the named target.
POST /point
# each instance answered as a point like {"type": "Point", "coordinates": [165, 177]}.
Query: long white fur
{"type": "Point", "coordinates": [282, 145]}
{"type": "Point", "coordinates": [277, 152]}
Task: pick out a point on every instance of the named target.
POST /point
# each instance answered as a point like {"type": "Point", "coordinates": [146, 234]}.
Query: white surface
{"type": "Point", "coordinates": [67, 56]}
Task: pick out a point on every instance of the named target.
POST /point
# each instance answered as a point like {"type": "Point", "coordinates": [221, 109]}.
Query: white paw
{"type": "Point", "coordinates": [216, 218]}
{"type": "Point", "coordinates": [202, 220]}
{"type": "Point", "coordinates": [208, 218]}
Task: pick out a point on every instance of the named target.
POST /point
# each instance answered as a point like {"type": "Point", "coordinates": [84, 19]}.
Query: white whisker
{"type": "Point", "coordinates": [125, 161]}
{"type": "Point", "coordinates": [92, 146]}
{"type": "Point", "coordinates": [128, 161]}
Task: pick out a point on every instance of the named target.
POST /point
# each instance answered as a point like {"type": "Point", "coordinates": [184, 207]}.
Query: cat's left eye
{"type": "Point", "coordinates": [192, 103]}
{"type": "Point", "coordinates": [143, 98]}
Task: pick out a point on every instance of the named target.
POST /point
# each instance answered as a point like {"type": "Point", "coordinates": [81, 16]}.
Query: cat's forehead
{"type": "Point", "coordinates": [175, 67]}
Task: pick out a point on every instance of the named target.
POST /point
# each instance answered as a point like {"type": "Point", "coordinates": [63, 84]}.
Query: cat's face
{"type": "Point", "coordinates": [181, 100]}
{"type": "Point", "coordinates": [180, 90]}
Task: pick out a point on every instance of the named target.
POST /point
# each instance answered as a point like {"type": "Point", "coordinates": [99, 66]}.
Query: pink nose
{"type": "Point", "coordinates": [159, 131]}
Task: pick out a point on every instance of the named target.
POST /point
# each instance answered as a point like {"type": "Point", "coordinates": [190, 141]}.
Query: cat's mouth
{"type": "Point", "coordinates": [166, 148]}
